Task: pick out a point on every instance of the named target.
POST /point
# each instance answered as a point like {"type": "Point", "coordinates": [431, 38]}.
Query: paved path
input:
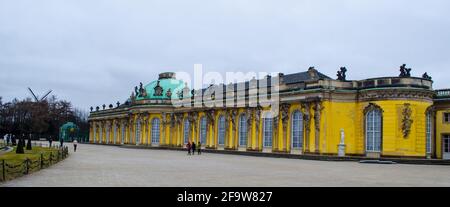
{"type": "Point", "coordinates": [95, 165]}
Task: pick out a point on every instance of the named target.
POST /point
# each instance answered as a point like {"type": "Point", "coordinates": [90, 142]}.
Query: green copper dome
{"type": "Point", "coordinates": [163, 88]}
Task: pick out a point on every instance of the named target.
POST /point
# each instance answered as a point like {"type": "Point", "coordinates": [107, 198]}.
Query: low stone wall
{"type": "Point", "coordinates": [302, 156]}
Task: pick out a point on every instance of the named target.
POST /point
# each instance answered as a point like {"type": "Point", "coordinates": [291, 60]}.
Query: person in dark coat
{"type": "Point", "coordinates": [199, 150]}
{"type": "Point", "coordinates": [193, 148]}
{"type": "Point", "coordinates": [188, 147]}
{"type": "Point", "coordinates": [50, 142]}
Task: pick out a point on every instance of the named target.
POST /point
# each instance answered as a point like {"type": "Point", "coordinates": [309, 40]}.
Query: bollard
{"type": "Point", "coordinates": [42, 160]}
{"type": "Point", "coordinates": [3, 170]}
{"type": "Point", "coordinates": [27, 166]}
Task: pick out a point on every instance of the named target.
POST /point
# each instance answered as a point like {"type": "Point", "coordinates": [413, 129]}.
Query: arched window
{"type": "Point", "coordinates": [297, 130]}
{"type": "Point", "coordinates": [267, 131]}
{"type": "Point", "coordinates": [428, 133]}
{"type": "Point", "coordinates": [95, 134]}
{"type": "Point", "coordinates": [243, 130]}
{"type": "Point", "coordinates": [155, 131]}
{"type": "Point", "coordinates": [203, 130]}
{"type": "Point", "coordinates": [373, 130]}
{"type": "Point", "coordinates": [100, 139]}
{"type": "Point", "coordinates": [138, 132]}
{"type": "Point", "coordinates": [186, 131]}
{"type": "Point", "coordinates": [123, 134]}
{"type": "Point", "coordinates": [107, 134]}
{"type": "Point", "coordinates": [115, 133]}
{"type": "Point", "coordinates": [221, 140]}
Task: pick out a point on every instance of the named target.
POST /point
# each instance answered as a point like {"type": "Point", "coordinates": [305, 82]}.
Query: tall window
{"type": "Point", "coordinates": [115, 133]}
{"type": "Point", "coordinates": [428, 132]}
{"type": "Point", "coordinates": [446, 118]}
{"type": "Point", "coordinates": [155, 131]}
{"type": "Point", "coordinates": [221, 140]}
{"type": "Point", "coordinates": [186, 131]}
{"type": "Point", "coordinates": [267, 132]}
{"type": "Point", "coordinates": [203, 130]}
{"type": "Point", "coordinates": [138, 132]}
{"type": "Point", "coordinates": [123, 134]}
{"type": "Point", "coordinates": [243, 130]}
{"type": "Point", "coordinates": [446, 144]}
{"type": "Point", "coordinates": [95, 134]}
{"type": "Point", "coordinates": [373, 131]}
{"type": "Point", "coordinates": [297, 130]}
{"type": "Point", "coordinates": [107, 134]}
{"type": "Point", "coordinates": [100, 139]}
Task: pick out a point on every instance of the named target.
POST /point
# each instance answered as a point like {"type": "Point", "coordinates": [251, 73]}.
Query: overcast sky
{"type": "Point", "coordinates": [92, 52]}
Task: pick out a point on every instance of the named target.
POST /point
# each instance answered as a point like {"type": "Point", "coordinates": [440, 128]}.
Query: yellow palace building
{"type": "Point", "coordinates": [310, 113]}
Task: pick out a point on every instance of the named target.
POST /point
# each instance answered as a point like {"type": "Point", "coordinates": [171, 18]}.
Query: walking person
{"type": "Point", "coordinates": [61, 142]}
{"type": "Point", "coordinates": [75, 145]}
{"type": "Point", "coordinates": [188, 147]}
{"type": "Point", "coordinates": [193, 148]}
{"type": "Point", "coordinates": [50, 142]}
{"type": "Point", "coordinates": [199, 150]}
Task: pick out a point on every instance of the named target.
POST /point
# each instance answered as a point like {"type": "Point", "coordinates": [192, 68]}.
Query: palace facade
{"type": "Point", "coordinates": [378, 117]}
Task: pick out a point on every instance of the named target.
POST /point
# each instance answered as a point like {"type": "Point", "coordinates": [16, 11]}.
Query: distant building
{"type": "Point", "coordinates": [380, 117]}
{"type": "Point", "coordinates": [68, 132]}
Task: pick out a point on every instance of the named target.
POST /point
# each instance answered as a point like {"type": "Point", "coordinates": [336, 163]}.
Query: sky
{"type": "Point", "coordinates": [93, 52]}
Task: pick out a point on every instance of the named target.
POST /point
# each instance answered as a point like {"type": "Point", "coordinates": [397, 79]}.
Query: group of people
{"type": "Point", "coordinates": [61, 143]}
{"type": "Point", "coordinates": [191, 147]}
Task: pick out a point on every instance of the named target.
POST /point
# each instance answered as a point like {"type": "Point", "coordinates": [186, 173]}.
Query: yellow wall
{"type": "Point", "coordinates": [441, 129]}
{"type": "Point", "coordinates": [336, 115]}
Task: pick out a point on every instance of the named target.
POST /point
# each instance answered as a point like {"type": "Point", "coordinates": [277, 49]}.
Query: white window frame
{"type": "Point", "coordinates": [156, 127]}
{"type": "Point", "coordinates": [123, 134]}
{"type": "Point", "coordinates": [428, 133]}
{"type": "Point", "coordinates": [203, 130]}
{"type": "Point", "coordinates": [374, 128]}
{"type": "Point", "coordinates": [186, 127]}
{"type": "Point", "coordinates": [137, 133]}
{"type": "Point", "coordinates": [267, 132]}
{"type": "Point", "coordinates": [221, 130]}
{"type": "Point", "coordinates": [297, 128]}
{"type": "Point", "coordinates": [243, 130]}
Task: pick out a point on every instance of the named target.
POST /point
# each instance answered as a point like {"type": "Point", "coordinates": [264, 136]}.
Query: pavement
{"type": "Point", "coordinates": [101, 165]}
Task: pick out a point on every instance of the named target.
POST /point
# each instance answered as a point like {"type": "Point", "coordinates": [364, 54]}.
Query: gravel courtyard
{"type": "Point", "coordinates": [95, 165]}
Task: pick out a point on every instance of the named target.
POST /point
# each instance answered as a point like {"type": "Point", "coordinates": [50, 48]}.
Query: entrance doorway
{"type": "Point", "coordinates": [446, 147]}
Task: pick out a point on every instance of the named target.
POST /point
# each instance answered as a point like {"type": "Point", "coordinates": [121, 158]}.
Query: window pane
{"type": "Point", "coordinates": [203, 130]}
{"type": "Point", "coordinates": [186, 131]}
{"type": "Point", "coordinates": [155, 131]}
{"type": "Point", "coordinates": [221, 140]}
{"type": "Point", "coordinates": [243, 130]}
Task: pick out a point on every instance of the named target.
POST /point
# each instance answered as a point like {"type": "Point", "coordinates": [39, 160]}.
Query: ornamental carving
{"type": "Point", "coordinates": [258, 114]}
{"type": "Point", "coordinates": [285, 114]}
{"type": "Point", "coordinates": [210, 117]}
{"type": "Point", "coordinates": [250, 115]}
{"type": "Point", "coordinates": [406, 119]}
{"type": "Point", "coordinates": [169, 93]}
{"type": "Point", "coordinates": [192, 117]}
{"type": "Point", "coordinates": [395, 94]}
{"type": "Point", "coordinates": [232, 117]}
{"type": "Point", "coordinates": [317, 114]}
{"type": "Point", "coordinates": [372, 107]}
{"type": "Point", "coordinates": [158, 90]}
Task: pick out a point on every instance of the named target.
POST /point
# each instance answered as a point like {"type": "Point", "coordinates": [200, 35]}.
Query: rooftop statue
{"type": "Point", "coordinates": [426, 76]}
{"type": "Point", "coordinates": [341, 74]}
{"type": "Point", "coordinates": [405, 72]}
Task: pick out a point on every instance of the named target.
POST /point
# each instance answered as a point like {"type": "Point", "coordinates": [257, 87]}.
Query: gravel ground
{"type": "Point", "coordinates": [95, 165]}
